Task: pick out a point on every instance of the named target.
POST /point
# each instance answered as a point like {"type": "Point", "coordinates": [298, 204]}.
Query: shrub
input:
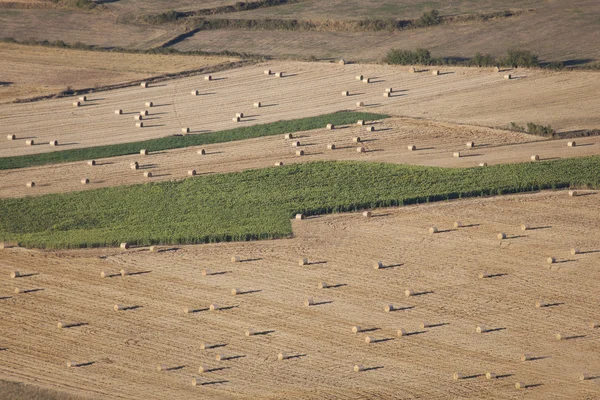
{"type": "Point", "coordinates": [540, 130]}
{"type": "Point", "coordinates": [521, 58]}
{"type": "Point", "coordinates": [429, 18]}
{"type": "Point", "coordinates": [407, 57]}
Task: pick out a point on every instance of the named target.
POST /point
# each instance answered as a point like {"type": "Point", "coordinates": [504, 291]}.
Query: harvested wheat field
{"type": "Point", "coordinates": [567, 101]}
{"type": "Point", "coordinates": [120, 354]}
{"type": "Point", "coordinates": [435, 143]}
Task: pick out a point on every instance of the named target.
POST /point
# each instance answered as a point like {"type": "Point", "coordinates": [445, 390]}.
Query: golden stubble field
{"type": "Point", "coordinates": [121, 350]}
{"type": "Point", "coordinates": [566, 100]}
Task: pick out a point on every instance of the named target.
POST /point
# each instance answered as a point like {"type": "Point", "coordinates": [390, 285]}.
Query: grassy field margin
{"type": "Point", "coordinates": [176, 142]}
{"type": "Point", "coordinates": [258, 204]}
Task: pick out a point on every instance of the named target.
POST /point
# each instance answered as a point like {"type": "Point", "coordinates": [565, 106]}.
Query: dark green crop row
{"type": "Point", "coordinates": [176, 142]}
{"type": "Point", "coordinates": [258, 204]}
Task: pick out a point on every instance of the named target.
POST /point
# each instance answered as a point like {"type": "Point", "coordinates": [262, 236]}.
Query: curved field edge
{"type": "Point", "coordinates": [258, 204]}
{"type": "Point", "coordinates": [176, 142]}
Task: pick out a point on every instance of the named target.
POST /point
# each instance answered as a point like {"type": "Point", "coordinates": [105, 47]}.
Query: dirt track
{"type": "Point", "coordinates": [125, 347]}
{"type": "Point", "coordinates": [567, 101]}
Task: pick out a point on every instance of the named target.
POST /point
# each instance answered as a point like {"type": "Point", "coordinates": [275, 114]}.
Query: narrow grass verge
{"type": "Point", "coordinates": [176, 142]}
{"type": "Point", "coordinates": [258, 204]}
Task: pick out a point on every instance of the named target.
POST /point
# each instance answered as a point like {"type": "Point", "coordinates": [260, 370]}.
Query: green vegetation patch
{"type": "Point", "coordinates": [176, 142]}
{"type": "Point", "coordinates": [258, 204]}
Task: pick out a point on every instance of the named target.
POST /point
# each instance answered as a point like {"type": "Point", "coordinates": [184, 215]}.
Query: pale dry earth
{"type": "Point", "coordinates": [30, 71]}
{"type": "Point", "coordinates": [436, 144]}
{"type": "Point", "coordinates": [122, 349]}
{"type": "Point", "coordinates": [565, 100]}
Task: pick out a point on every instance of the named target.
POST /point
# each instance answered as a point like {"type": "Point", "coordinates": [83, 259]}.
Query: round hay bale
{"type": "Point", "coordinates": [594, 324]}
{"type": "Point", "coordinates": [389, 90]}
{"type": "Point", "coordinates": [208, 78]}
{"type": "Point", "coordinates": [360, 104]}
{"type": "Point", "coordinates": [144, 113]}
{"type": "Point", "coordinates": [303, 261]}
{"type": "Point", "coordinates": [201, 152]}
{"type": "Point", "coordinates": [412, 70]}
{"type": "Point", "coordinates": [501, 236]}
{"type": "Point", "coordinates": [525, 227]}
{"type": "Point", "coordinates": [61, 325]}
{"type": "Point", "coordinates": [387, 94]}
{"type": "Point", "coordinates": [196, 382]}
{"type": "Point", "coordinates": [134, 165]}
{"type": "Point", "coordinates": [412, 147]}
{"type": "Point", "coordinates": [361, 149]}
{"type": "Point", "coordinates": [457, 375]}
{"type": "Point", "coordinates": [76, 104]}
{"type": "Point", "coordinates": [11, 137]}
{"type": "Point", "coordinates": [299, 216]}
{"type": "Point", "coordinates": [483, 164]}
{"type": "Point", "coordinates": [30, 142]}
{"type": "Point", "coordinates": [240, 115]}
{"type": "Point", "coordinates": [520, 385]}
{"type": "Point", "coordinates": [331, 146]}
{"type": "Point", "coordinates": [571, 144]}
{"type": "Point", "coordinates": [185, 130]}
{"type": "Point", "coordinates": [550, 260]}
{"type": "Point", "coordinates": [144, 84]}
{"type": "Point", "coordinates": [119, 112]}
{"type": "Point", "coordinates": [388, 308]}
{"type": "Point", "coordinates": [401, 332]}
{"type": "Point", "coordinates": [299, 152]}
{"type": "Point", "coordinates": [191, 172]}
{"type": "Point", "coordinates": [279, 74]}
{"type": "Point", "coordinates": [435, 72]}
{"type": "Point", "coordinates": [288, 136]}
{"type": "Point", "coordinates": [147, 174]}
{"type": "Point", "coordinates": [366, 80]}
{"type": "Point", "coordinates": [15, 274]}
{"type": "Point", "coordinates": [367, 214]}
{"type": "Point", "coordinates": [526, 357]}
{"type": "Point", "coordinates": [236, 259]}
{"type": "Point", "coordinates": [456, 154]}
{"type": "Point", "coordinates": [559, 336]}
{"type": "Point", "coordinates": [53, 143]}
{"type": "Point", "coordinates": [17, 291]}
{"type": "Point", "coordinates": [369, 339]}
{"type": "Point", "coordinates": [356, 329]}
{"type": "Point", "coordinates": [370, 128]}
{"type": "Point", "coordinates": [356, 139]}
{"type": "Point", "coordinates": [213, 307]}
{"type": "Point", "coordinates": [409, 292]}
{"type": "Point", "coordinates": [138, 117]}
{"type": "Point", "coordinates": [85, 181]}
{"type": "Point", "coordinates": [236, 119]}
{"type": "Point", "coordinates": [378, 265]}
{"type": "Point", "coordinates": [124, 272]}
{"type": "Point", "coordinates": [483, 275]}
{"type": "Point", "coordinates": [296, 144]}
{"type": "Point", "coordinates": [143, 152]}
{"type": "Point", "coordinates": [575, 251]}
{"type": "Point", "coordinates": [205, 346]}
{"type": "Point", "coordinates": [359, 77]}
{"type": "Point", "coordinates": [72, 364]}
{"type": "Point", "coordinates": [535, 158]}
{"type": "Point", "coordinates": [267, 72]}
{"type": "Point", "coordinates": [360, 122]}
{"type": "Point", "coordinates": [433, 230]}
{"type": "Point", "coordinates": [149, 104]}
{"type": "Point", "coordinates": [490, 375]}
{"type": "Point", "coordinates": [309, 302]}
{"type": "Point", "coordinates": [481, 329]}
{"type": "Point", "coordinates": [124, 245]}
{"type": "Point", "coordinates": [345, 93]}
{"type": "Point", "coordinates": [584, 377]}
{"type": "Point", "coordinates": [118, 307]}
{"type": "Point", "coordinates": [425, 325]}
{"type": "Point", "coordinates": [206, 272]}
{"type": "Point", "coordinates": [257, 104]}
{"type": "Point", "coordinates": [282, 356]}
{"type": "Point", "coordinates": [573, 193]}
{"type": "Point", "coordinates": [235, 292]}
{"type": "Point", "coordinates": [161, 367]}
{"type": "Point", "coordinates": [278, 164]}
{"type": "Point", "coordinates": [30, 184]}
{"type": "Point", "coordinates": [203, 368]}
{"type": "Point", "coordinates": [91, 163]}
{"type": "Point", "coordinates": [104, 274]}
{"type": "Point", "coordinates": [342, 62]}
{"type": "Point", "coordinates": [330, 126]}
{"type": "Point", "coordinates": [508, 76]}
{"type": "Point", "coordinates": [458, 224]}
{"type": "Point", "coordinates": [322, 285]}
{"type": "Point", "coordinates": [154, 249]}
{"type": "Point", "coordinates": [496, 69]}
{"type": "Point", "coordinates": [359, 368]}
{"type": "Point", "coordinates": [194, 93]}
{"type": "Point", "coordinates": [470, 145]}
{"type": "Point", "coordinates": [139, 125]}
{"type": "Point", "coordinates": [539, 304]}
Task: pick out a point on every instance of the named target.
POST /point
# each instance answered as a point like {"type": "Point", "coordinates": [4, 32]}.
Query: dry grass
{"type": "Point", "coordinates": [20, 391]}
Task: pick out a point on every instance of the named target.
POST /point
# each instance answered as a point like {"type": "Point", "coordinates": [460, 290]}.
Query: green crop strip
{"type": "Point", "coordinates": [176, 142]}
{"type": "Point", "coordinates": [258, 204]}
